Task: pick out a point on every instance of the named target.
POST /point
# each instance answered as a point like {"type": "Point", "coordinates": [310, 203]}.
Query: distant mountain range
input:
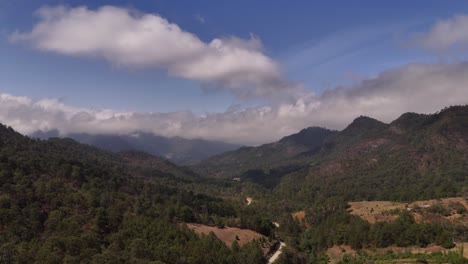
{"type": "Point", "coordinates": [415, 156]}
{"type": "Point", "coordinates": [176, 149]}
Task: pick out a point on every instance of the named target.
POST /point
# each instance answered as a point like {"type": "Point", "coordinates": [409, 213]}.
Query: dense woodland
{"type": "Point", "coordinates": [414, 157]}
{"type": "Point", "coordinates": [332, 225]}
{"type": "Point", "coordinates": [65, 202]}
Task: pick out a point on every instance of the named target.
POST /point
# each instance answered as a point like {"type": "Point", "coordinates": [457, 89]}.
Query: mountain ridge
{"type": "Point", "coordinates": [179, 150]}
{"type": "Point", "coordinates": [306, 140]}
{"type": "Point", "coordinates": [411, 151]}
{"type": "Point", "coordinates": [65, 201]}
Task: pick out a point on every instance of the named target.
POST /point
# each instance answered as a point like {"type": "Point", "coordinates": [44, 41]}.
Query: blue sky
{"type": "Point", "coordinates": [317, 45]}
{"type": "Point", "coordinates": [360, 39]}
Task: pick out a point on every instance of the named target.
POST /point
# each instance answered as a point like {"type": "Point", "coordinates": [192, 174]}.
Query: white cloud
{"type": "Point", "coordinates": [199, 18]}
{"type": "Point", "coordinates": [446, 34]}
{"type": "Point", "coordinates": [124, 37]}
{"type": "Point", "coordinates": [128, 38]}
{"type": "Point", "coordinates": [423, 88]}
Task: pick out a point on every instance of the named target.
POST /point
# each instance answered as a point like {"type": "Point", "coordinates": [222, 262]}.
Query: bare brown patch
{"type": "Point", "coordinates": [299, 215]}
{"type": "Point", "coordinates": [376, 211]}
{"type": "Point", "coordinates": [228, 234]}
{"type": "Point", "coordinates": [336, 252]}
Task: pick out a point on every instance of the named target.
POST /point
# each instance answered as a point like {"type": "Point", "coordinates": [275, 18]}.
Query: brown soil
{"type": "Point", "coordinates": [227, 234]}
{"type": "Point", "coordinates": [376, 211]}
{"type": "Point", "coordinates": [299, 215]}
{"type": "Point", "coordinates": [336, 253]}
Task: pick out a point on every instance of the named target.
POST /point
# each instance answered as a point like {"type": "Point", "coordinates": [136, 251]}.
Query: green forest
{"type": "Point", "coordinates": [65, 202]}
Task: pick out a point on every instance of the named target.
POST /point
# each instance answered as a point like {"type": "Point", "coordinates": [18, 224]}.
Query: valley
{"type": "Point", "coordinates": [313, 197]}
{"type": "Point", "coordinates": [233, 132]}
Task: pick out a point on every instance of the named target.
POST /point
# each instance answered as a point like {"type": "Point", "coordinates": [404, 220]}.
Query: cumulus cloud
{"type": "Point", "coordinates": [132, 39]}
{"type": "Point", "coordinates": [446, 34]}
{"type": "Point", "coordinates": [422, 88]}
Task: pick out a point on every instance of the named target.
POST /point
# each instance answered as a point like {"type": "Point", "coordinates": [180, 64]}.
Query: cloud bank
{"type": "Point", "coordinates": [446, 34]}
{"type": "Point", "coordinates": [128, 38]}
{"type": "Point", "coordinates": [131, 39]}
{"type": "Point", "coordinates": [422, 88]}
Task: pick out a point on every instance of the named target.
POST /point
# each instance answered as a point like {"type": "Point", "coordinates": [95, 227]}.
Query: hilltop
{"type": "Point", "coordinates": [414, 157]}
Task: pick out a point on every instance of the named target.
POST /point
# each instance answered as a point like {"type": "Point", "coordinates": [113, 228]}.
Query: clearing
{"type": "Point", "coordinates": [300, 216]}
{"type": "Point", "coordinates": [227, 234]}
{"type": "Point", "coordinates": [378, 211]}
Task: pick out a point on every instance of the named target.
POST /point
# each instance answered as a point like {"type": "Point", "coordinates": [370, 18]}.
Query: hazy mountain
{"type": "Point", "coordinates": [421, 156]}
{"type": "Point", "coordinates": [235, 163]}
{"type": "Point", "coordinates": [176, 149]}
{"type": "Point", "coordinates": [413, 157]}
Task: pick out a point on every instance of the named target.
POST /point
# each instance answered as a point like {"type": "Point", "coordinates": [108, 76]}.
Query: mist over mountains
{"type": "Point", "coordinates": [176, 149]}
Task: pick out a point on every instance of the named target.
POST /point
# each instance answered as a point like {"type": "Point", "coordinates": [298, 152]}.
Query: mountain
{"type": "Point", "coordinates": [414, 157]}
{"type": "Point", "coordinates": [176, 149]}
{"type": "Point", "coordinates": [252, 159]}
{"type": "Point", "coordinates": [66, 202]}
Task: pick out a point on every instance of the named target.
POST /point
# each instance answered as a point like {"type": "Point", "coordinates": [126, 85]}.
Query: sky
{"type": "Point", "coordinates": [247, 72]}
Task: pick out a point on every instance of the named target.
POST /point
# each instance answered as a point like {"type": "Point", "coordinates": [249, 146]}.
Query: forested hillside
{"type": "Point", "coordinates": [63, 202]}
{"type": "Point", "coordinates": [414, 157]}
{"type": "Point", "coordinates": [253, 161]}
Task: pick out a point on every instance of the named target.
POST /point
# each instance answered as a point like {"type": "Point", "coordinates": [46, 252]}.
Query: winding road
{"type": "Point", "coordinates": [277, 253]}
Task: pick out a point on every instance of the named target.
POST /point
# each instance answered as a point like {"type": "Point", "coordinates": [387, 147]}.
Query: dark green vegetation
{"type": "Point", "coordinates": [414, 157]}
{"type": "Point", "coordinates": [271, 160]}
{"type": "Point", "coordinates": [61, 201]}
{"type": "Point", "coordinates": [391, 257]}
{"type": "Point", "coordinates": [339, 228]}
{"type": "Point", "coordinates": [329, 224]}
